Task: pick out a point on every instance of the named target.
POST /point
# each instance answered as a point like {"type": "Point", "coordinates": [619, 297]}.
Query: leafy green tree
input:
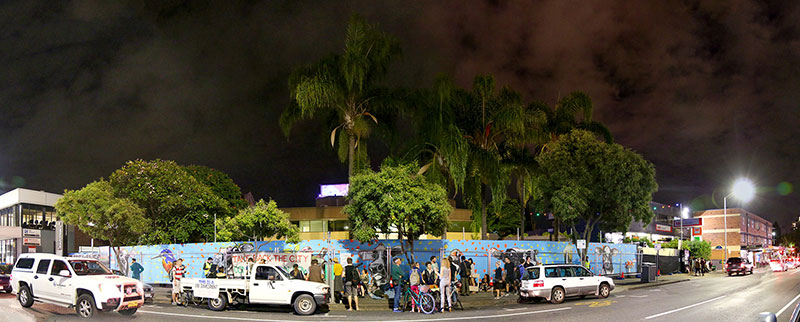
{"type": "Point", "coordinates": [584, 179]}
{"type": "Point", "coordinates": [96, 211]}
{"type": "Point", "coordinates": [221, 184]}
{"type": "Point", "coordinates": [262, 220]}
{"type": "Point", "coordinates": [396, 200]}
{"type": "Point", "coordinates": [345, 87]}
{"type": "Point", "coordinates": [178, 206]}
{"type": "Point", "coordinates": [698, 248]}
{"type": "Point", "coordinates": [503, 221]}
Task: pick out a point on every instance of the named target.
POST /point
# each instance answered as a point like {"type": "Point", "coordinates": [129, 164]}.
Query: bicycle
{"type": "Point", "coordinates": [455, 300]}
{"type": "Point", "coordinates": [422, 300]}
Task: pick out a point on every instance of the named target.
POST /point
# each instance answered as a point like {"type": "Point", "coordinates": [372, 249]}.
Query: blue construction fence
{"type": "Point", "coordinates": [157, 260]}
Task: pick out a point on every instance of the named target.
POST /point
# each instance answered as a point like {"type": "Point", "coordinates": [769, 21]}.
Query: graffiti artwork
{"type": "Point", "coordinates": [607, 253]}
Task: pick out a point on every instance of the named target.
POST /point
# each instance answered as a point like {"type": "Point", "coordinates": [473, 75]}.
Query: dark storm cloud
{"type": "Point", "coordinates": [706, 90]}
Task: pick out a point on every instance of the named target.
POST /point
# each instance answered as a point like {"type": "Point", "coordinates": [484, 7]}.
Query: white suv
{"type": "Point", "coordinates": [555, 282]}
{"type": "Point", "coordinates": [82, 283]}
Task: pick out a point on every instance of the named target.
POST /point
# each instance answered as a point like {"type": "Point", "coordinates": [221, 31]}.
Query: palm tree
{"type": "Point", "coordinates": [345, 88]}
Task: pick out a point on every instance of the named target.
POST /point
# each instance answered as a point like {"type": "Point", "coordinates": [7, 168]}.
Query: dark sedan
{"type": "Point", "coordinates": [5, 283]}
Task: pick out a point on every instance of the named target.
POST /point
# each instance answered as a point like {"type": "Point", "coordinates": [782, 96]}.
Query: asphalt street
{"type": "Point", "coordinates": [714, 298]}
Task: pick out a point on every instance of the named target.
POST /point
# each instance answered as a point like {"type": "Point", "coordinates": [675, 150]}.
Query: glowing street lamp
{"type": "Point", "coordinates": [744, 190]}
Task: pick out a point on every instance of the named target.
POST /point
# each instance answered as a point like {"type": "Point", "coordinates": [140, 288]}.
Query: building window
{"type": "Point", "coordinates": [339, 225]}
{"type": "Point", "coordinates": [7, 217]}
{"type": "Point", "coordinates": [313, 226]}
{"type": "Point", "coordinates": [8, 251]}
{"type": "Point", "coordinates": [38, 217]}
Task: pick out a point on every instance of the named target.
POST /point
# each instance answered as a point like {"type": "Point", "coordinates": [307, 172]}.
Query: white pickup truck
{"type": "Point", "coordinates": [267, 284]}
{"type": "Point", "coordinates": [82, 283]}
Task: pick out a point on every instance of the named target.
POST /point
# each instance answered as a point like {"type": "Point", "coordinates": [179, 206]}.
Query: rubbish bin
{"type": "Point", "coordinates": [648, 272]}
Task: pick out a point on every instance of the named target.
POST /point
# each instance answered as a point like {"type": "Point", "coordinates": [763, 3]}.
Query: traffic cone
{"type": "Point", "coordinates": [623, 275]}
{"type": "Point", "coordinates": [659, 272]}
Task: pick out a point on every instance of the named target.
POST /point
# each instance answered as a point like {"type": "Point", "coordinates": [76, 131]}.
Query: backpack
{"type": "Point", "coordinates": [414, 277]}
{"type": "Point", "coordinates": [351, 274]}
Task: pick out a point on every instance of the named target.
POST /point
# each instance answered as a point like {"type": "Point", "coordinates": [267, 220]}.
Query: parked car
{"type": "Point", "coordinates": [5, 283]}
{"type": "Point", "coordinates": [777, 265]}
{"type": "Point", "coordinates": [556, 282]}
{"type": "Point", "coordinates": [791, 263]}
{"type": "Point", "coordinates": [738, 265]}
{"type": "Point", "coordinates": [81, 283]}
{"type": "Point", "coordinates": [148, 289]}
{"type": "Point", "coordinates": [266, 284]}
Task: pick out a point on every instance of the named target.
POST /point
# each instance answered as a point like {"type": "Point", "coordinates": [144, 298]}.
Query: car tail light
{"type": "Point", "coordinates": [538, 283]}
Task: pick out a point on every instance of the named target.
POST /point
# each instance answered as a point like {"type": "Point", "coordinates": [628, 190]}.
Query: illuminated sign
{"type": "Point", "coordinates": [696, 231]}
{"type": "Point", "coordinates": [333, 190]}
{"type": "Point", "coordinates": [689, 222]}
{"type": "Point", "coordinates": [664, 228]}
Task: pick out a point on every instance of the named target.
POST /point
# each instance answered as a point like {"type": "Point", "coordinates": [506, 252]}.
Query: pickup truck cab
{"type": "Point", "coordinates": [266, 284]}
{"type": "Point", "coordinates": [81, 283]}
{"type": "Point", "coordinates": [555, 282]}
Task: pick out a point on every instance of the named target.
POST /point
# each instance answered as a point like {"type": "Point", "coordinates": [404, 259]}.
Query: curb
{"type": "Point", "coordinates": [655, 284]}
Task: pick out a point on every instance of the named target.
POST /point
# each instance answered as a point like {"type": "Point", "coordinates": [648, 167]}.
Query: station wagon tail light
{"type": "Point", "coordinates": [538, 283]}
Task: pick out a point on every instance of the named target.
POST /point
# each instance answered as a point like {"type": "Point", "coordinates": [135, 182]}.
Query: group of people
{"type": "Point", "coordinates": [700, 266]}
{"type": "Point", "coordinates": [507, 276]}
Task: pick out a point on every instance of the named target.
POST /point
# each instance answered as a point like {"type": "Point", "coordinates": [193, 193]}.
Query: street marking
{"type": "Point", "coordinates": [597, 303]}
{"type": "Point", "coordinates": [655, 290]}
{"type": "Point", "coordinates": [517, 309]}
{"type": "Point", "coordinates": [639, 296]}
{"type": "Point", "coordinates": [787, 305]}
{"type": "Point", "coordinates": [195, 316]}
{"type": "Point", "coordinates": [334, 316]}
{"type": "Point", "coordinates": [619, 296]}
{"type": "Point", "coordinates": [683, 308]}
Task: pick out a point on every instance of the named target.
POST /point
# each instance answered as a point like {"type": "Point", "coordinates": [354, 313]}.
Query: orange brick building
{"type": "Point", "coordinates": [745, 230]}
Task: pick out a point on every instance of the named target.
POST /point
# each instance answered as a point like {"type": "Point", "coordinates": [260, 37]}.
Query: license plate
{"type": "Point", "coordinates": [133, 305]}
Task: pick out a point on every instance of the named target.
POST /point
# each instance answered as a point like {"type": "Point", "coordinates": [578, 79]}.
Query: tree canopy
{"type": "Point", "coordinates": [504, 220]}
{"type": "Point", "coordinates": [96, 211]}
{"type": "Point", "coordinates": [587, 180]}
{"type": "Point", "coordinates": [179, 207]}
{"type": "Point", "coordinates": [396, 200]}
{"type": "Point", "coordinates": [264, 219]}
{"type": "Point", "coordinates": [221, 184]}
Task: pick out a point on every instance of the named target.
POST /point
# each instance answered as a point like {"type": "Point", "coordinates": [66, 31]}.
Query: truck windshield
{"type": "Point", "coordinates": [89, 267]}
{"type": "Point", "coordinates": [283, 272]}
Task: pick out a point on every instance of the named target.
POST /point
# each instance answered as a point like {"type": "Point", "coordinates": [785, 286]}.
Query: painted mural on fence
{"type": "Point", "coordinates": [157, 260]}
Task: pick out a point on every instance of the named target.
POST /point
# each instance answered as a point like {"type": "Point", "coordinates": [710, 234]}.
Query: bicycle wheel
{"type": "Point", "coordinates": [457, 301]}
{"type": "Point", "coordinates": [406, 299]}
{"type": "Point", "coordinates": [427, 303]}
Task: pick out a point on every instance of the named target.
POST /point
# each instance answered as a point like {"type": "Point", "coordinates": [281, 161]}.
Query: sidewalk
{"type": "Point", "coordinates": [479, 300]}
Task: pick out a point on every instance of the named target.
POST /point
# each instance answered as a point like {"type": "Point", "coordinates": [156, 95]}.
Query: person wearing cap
{"type": "Point", "coordinates": [398, 277]}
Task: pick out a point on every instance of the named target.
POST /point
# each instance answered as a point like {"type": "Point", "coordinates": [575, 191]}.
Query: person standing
{"type": "Point", "coordinates": [296, 273]}
{"type": "Point", "coordinates": [702, 267]}
{"type": "Point", "coordinates": [435, 266]}
{"type": "Point", "coordinates": [351, 284]}
{"type": "Point", "coordinates": [414, 280]}
{"type": "Point", "coordinates": [315, 272]}
{"type": "Point", "coordinates": [136, 270]}
{"type": "Point", "coordinates": [464, 273]}
{"type": "Point", "coordinates": [338, 283]}
{"type": "Point", "coordinates": [177, 273]}
{"type": "Point", "coordinates": [397, 281]}
{"type": "Point", "coordinates": [498, 280]}
{"type": "Point", "coordinates": [444, 284]}
{"type": "Point", "coordinates": [207, 268]}
{"type": "Point", "coordinates": [510, 275]}
{"type": "Point", "coordinates": [428, 277]}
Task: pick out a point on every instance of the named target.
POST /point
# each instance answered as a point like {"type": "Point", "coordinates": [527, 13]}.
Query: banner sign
{"type": "Point", "coordinates": [31, 232]}
{"type": "Point", "coordinates": [664, 228]}
{"type": "Point", "coordinates": [689, 222]}
{"type": "Point", "coordinates": [205, 288]}
{"type": "Point", "coordinates": [31, 241]}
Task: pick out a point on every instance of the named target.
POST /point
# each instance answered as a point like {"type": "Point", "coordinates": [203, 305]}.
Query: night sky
{"type": "Point", "coordinates": [706, 90]}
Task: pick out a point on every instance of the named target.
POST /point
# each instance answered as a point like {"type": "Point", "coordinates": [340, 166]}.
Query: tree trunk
{"type": "Point", "coordinates": [351, 154]}
{"type": "Point", "coordinates": [522, 203]}
{"type": "Point", "coordinates": [122, 268]}
{"type": "Point", "coordinates": [484, 202]}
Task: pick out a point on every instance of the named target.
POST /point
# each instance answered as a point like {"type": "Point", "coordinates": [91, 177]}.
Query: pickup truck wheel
{"type": "Point", "coordinates": [305, 304]}
{"type": "Point", "coordinates": [24, 296]}
{"type": "Point", "coordinates": [85, 306]}
{"type": "Point", "coordinates": [605, 290]}
{"type": "Point", "coordinates": [219, 303]}
{"type": "Point", "coordinates": [128, 312]}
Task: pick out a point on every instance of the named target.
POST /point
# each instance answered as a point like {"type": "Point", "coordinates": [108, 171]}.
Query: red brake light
{"type": "Point", "coordinates": [538, 283]}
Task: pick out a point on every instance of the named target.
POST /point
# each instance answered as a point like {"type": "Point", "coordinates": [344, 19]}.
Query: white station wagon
{"type": "Point", "coordinates": [555, 282]}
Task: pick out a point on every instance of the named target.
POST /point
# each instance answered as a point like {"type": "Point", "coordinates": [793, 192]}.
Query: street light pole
{"type": "Point", "coordinates": [725, 225]}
